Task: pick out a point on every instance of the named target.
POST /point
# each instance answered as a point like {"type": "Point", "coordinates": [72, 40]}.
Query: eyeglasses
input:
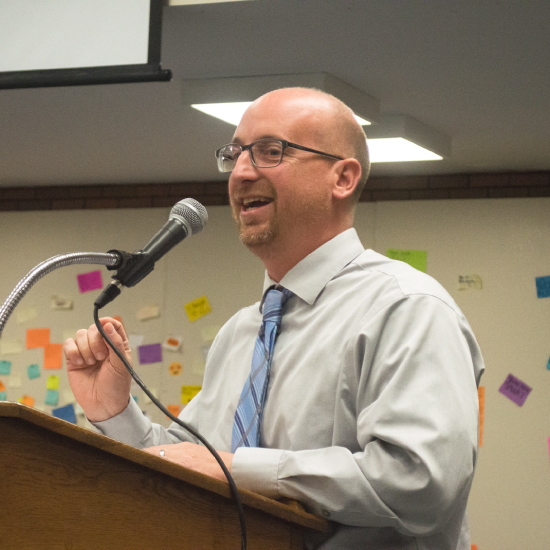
{"type": "Point", "coordinates": [264, 153]}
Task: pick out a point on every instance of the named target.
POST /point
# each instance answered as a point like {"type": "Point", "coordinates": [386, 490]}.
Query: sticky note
{"type": "Point", "coordinates": [89, 281]}
{"type": "Point", "coordinates": [515, 389]}
{"type": "Point", "coordinates": [470, 282]}
{"type": "Point", "coordinates": [38, 337]}
{"type": "Point", "coordinates": [175, 368]}
{"type": "Point", "coordinates": [2, 387]}
{"type": "Point", "coordinates": [197, 308]}
{"type": "Point", "coordinates": [52, 398]}
{"type": "Point", "coordinates": [150, 353]}
{"type": "Point", "coordinates": [65, 413]}
{"type": "Point", "coordinates": [14, 381]}
{"type": "Point", "coordinates": [547, 365]}
{"type": "Point", "coordinates": [5, 367]}
{"type": "Point", "coordinates": [209, 333]}
{"type": "Point", "coordinates": [543, 286]}
{"type": "Point", "coordinates": [33, 371]}
{"type": "Point", "coordinates": [10, 347]}
{"type": "Point", "coordinates": [415, 258]}
{"type": "Point", "coordinates": [53, 356]}
{"type": "Point", "coordinates": [172, 343]}
{"type": "Point", "coordinates": [60, 303]}
{"type": "Point", "coordinates": [148, 312]}
{"type": "Point", "coordinates": [481, 396]}
{"type": "Point", "coordinates": [188, 392]}
{"type": "Point", "coordinates": [27, 400]}
{"type": "Point", "coordinates": [53, 382]}
{"type": "Point", "coordinates": [3, 396]}
{"type": "Point", "coordinates": [25, 315]}
{"type": "Point", "coordinates": [174, 409]}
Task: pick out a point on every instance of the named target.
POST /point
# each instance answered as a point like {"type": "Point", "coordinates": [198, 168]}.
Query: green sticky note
{"type": "Point", "coordinates": [3, 396]}
{"type": "Point", "coordinates": [415, 258]}
{"type": "Point", "coordinates": [33, 371]}
{"type": "Point", "coordinates": [52, 397]}
{"type": "Point", "coordinates": [53, 382]}
{"type": "Point", "coordinates": [5, 367]}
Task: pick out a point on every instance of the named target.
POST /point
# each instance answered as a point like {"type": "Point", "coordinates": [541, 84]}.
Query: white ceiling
{"type": "Point", "coordinates": [477, 71]}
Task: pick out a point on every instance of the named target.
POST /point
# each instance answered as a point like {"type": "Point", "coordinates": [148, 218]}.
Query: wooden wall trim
{"type": "Point", "coordinates": [455, 186]}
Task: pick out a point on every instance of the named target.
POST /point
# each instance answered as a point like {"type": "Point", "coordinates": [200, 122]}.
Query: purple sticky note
{"type": "Point", "coordinates": [516, 390]}
{"type": "Point", "coordinates": [89, 281]}
{"type": "Point", "coordinates": [152, 353]}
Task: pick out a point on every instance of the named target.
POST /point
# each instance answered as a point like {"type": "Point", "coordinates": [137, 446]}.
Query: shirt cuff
{"type": "Point", "coordinates": [130, 426]}
{"type": "Point", "coordinates": [256, 469]}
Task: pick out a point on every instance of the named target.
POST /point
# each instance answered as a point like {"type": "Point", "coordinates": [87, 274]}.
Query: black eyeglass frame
{"type": "Point", "coordinates": [284, 144]}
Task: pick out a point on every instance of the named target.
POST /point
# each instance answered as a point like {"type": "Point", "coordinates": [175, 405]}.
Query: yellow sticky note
{"type": "Point", "coordinates": [27, 400]}
{"type": "Point", "coordinates": [188, 392]}
{"type": "Point", "coordinates": [38, 337]}
{"type": "Point", "coordinates": [481, 395]}
{"type": "Point", "coordinates": [415, 258]}
{"type": "Point", "coordinates": [53, 355]}
{"type": "Point", "coordinates": [198, 308]}
{"type": "Point", "coordinates": [53, 382]}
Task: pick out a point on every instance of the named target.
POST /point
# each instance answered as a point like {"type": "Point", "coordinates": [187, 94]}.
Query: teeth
{"type": "Point", "coordinates": [246, 202]}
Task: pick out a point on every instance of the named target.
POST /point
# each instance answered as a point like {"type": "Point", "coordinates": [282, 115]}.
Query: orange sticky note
{"type": "Point", "coordinates": [27, 400]}
{"type": "Point", "coordinates": [174, 409]}
{"type": "Point", "coordinates": [53, 355]}
{"type": "Point", "coordinates": [481, 395]}
{"type": "Point", "coordinates": [2, 387]}
{"type": "Point", "coordinates": [38, 337]}
{"type": "Point", "coordinates": [474, 546]}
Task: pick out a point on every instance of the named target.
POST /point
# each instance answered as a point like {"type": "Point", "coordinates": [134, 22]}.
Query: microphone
{"type": "Point", "coordinates": [187, 217]}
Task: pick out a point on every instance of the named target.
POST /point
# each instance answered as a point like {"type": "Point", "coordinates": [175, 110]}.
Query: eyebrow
{"type": "Point", "coordinates": [238, 141]}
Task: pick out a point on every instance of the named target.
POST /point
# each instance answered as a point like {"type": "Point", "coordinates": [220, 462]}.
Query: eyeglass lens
{"type": "Point", "coordinates": [265, 153]}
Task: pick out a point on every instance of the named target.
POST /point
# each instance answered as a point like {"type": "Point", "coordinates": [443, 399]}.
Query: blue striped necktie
{"type": "Point", "coordinates": [248, 416]}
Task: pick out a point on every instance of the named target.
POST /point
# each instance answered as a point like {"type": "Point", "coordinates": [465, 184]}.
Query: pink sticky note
{"type": "Point", "coordinates": [90, 281]}
{"type": "Point", "coordinates": [152, 353]}
{"type": "Point", "coordinates": [516, 390]}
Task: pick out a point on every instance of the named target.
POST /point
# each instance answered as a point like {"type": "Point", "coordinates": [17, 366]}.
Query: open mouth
{"type": "Point", "coordinates": [255, 202]}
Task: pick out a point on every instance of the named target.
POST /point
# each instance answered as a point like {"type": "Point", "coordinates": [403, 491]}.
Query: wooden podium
{"type": "Point", "coordinates": [65, 487]}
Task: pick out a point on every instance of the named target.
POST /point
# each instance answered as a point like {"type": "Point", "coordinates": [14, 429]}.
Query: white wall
{"type": "Point", "coordinates": [506, 242]}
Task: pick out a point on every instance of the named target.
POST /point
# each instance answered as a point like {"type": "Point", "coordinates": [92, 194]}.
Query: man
{"type": "Point", "coordinates": [371, 413]}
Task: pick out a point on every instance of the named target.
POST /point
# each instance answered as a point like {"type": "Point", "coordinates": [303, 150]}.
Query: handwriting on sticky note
{"type": "Point", "coordinates": [188, 392]}
{"type": "Point", "coordinates": [543, 286]}
{"type": "Point", "coordinates": [89, 281]}
{"type": "Point", "coordinates": [53, 356]}
{"type": "Point", "coordinates": [481, 396]}
{"type": "Point", "coordinates": [33, 371]}
{"type": "Point", "coordinates": [197, 308]}
{"type": "Point", "coordinates": [151, 353]}
{"type": "Point", "coordinates": [415, 258]}
{"type": "Point", "coordinates": [470, 282]}
{"type": "Point", "coordinates": [38, 337]}
{"type": "Point", "coordinates": [514, 389]}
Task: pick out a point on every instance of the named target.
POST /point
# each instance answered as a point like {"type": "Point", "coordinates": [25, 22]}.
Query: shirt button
{"type": "Point", "coordinates": [326, 513]}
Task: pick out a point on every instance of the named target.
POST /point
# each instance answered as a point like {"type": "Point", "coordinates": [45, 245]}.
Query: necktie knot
{"type": "Point", "coordinates": [274, 302]}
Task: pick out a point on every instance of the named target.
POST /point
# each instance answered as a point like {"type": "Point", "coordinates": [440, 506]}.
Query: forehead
{"type": "Point", "coordinates": [286, 117]}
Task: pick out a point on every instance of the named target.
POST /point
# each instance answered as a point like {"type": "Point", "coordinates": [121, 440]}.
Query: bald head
{"type": "Point", "coordinates": [329, 122]}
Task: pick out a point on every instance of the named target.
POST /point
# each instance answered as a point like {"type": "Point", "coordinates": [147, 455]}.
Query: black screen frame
{"type": "Point", "coordinates": [151, 71]}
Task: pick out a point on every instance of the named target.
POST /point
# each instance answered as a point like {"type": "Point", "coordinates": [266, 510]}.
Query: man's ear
{"type": "Point", "coordinates": [348, 174]}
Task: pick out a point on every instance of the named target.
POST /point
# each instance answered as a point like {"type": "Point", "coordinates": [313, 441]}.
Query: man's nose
{"type": "Point", "coordinates": [244, 168]}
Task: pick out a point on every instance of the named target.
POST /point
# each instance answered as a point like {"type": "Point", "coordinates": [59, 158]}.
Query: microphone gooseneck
{"type": "Point", "coordinates": [187, 217]}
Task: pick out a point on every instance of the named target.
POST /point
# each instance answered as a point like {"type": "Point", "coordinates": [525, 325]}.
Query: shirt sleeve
{"type": "Point", "coordinates": [416, 410]}
{"type": "Point", "coordinates": [132, 427]}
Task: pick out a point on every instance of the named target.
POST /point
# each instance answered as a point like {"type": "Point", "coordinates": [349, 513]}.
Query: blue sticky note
{"type": "Point", "coordinates": [33, 371]}
{"type": "Point", "coordinates": [543, 287]}
{"type": "Point", "coordinates": [65, 413]}
{"type": "Point", "coordinates": [548, 364]}
{"type": "Point", "coordinates": [5, 367]}
{"type": "Point", "coordinates": [3, 396]}
{"type": "Point", "coordinates": [52, 397]}
{"type": "Point", "coordinates": [135, 398]}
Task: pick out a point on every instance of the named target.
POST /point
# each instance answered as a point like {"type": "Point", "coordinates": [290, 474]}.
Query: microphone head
{"type": "Point", "coordinates": [191, 213]}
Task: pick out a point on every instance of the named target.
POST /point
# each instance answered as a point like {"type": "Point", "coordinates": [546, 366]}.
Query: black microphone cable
{"type": "Point", "coordinates": [192, 431]}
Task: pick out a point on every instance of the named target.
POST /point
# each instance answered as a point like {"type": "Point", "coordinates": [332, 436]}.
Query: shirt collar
{"type": "Point", "coordinates": [310, 276]}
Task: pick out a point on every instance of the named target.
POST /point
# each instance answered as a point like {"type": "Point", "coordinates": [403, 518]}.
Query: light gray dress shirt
{"type": "Point", "coordinates": [371, 417]}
